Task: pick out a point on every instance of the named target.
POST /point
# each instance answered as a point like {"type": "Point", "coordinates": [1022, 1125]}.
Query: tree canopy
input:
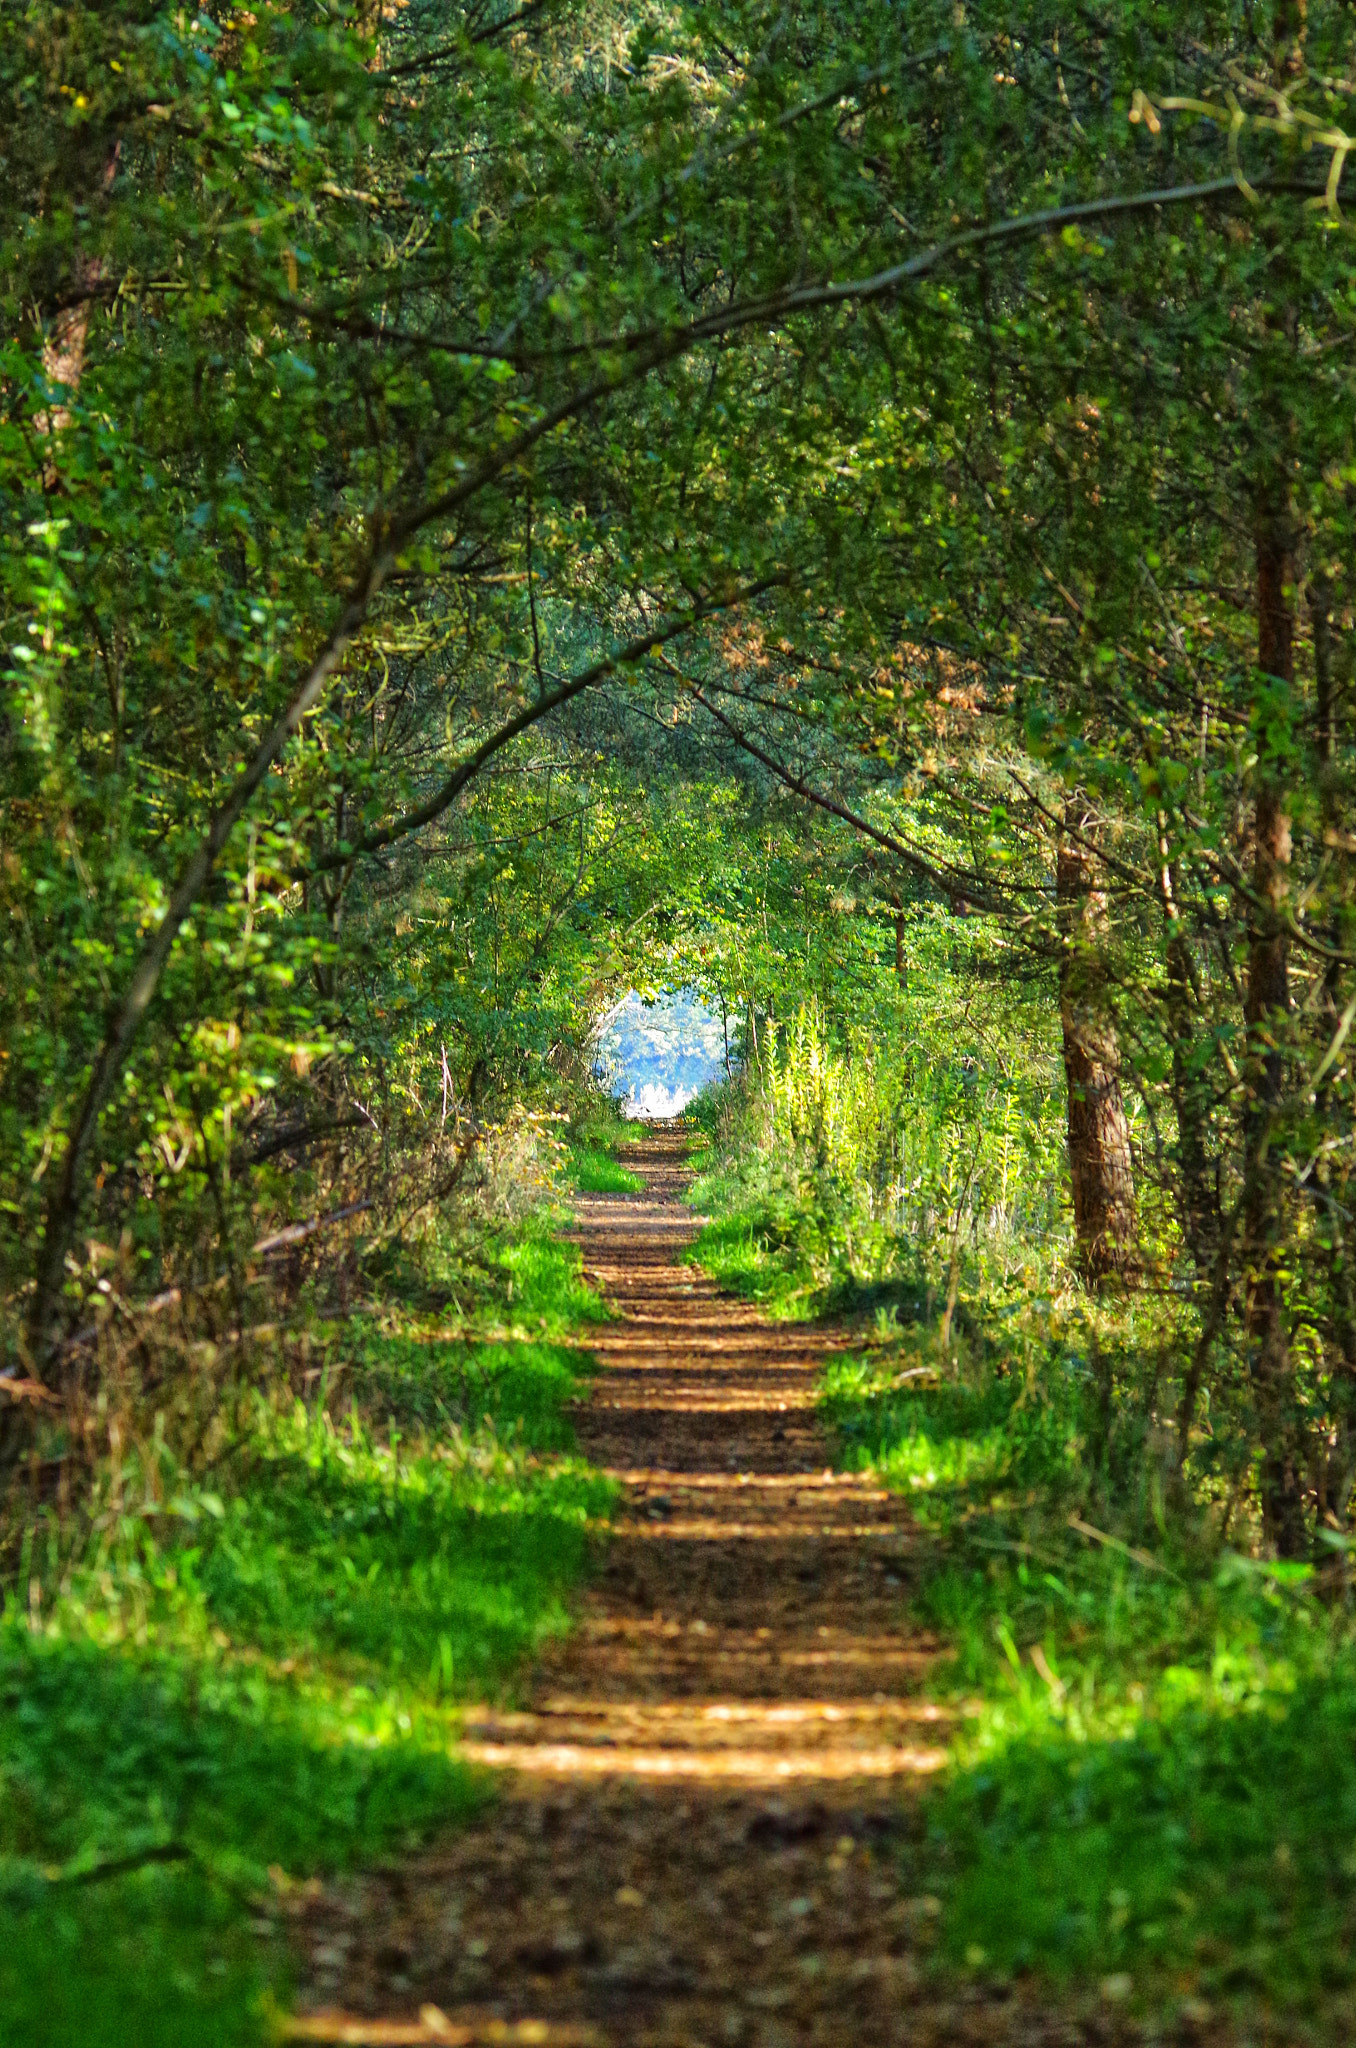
{"type": "Point", "coordinates": [465, 469]}
{"type": "Point", "coordinates": [846, 511]}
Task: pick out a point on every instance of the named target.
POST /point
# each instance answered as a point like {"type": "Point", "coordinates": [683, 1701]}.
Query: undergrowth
{"type": "Point", "coordinates": [1151, 1793]}
{"type": "Point", "coordinates": [214, 1686]}
{"type": "Point", "coordinates": [788, 1227]}
{"type": "Point", "coordinates": [1153, 1786]}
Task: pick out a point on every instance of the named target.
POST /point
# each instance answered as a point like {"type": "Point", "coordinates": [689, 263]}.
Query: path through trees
{"type": "Point", "coordinates": [701, 1798]}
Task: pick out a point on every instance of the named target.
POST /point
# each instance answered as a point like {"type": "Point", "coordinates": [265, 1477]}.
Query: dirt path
{"type": "Point", "coordinates": [694, 1843]}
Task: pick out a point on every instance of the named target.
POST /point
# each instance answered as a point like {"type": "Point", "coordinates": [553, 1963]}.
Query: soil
{"type": "Point", "coordinates": [703, 1799]}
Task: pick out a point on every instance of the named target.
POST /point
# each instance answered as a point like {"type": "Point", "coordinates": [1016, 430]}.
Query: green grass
{"type": "Point", "coordinates": [797, 1262]}
{"type": "Point", "coordinates": [266, 1677]}
{"type": "Point", "coordinates": [593, 1172]}
{"type": "Point", "coordinates": [522, 1282]}
{"type": "Point", "coordinates": [502, 1364]}
{"type": "Point", "coordinates": [943, 1438]}
{"type": "Point", "coordinates": [603, 1128]}
{"type": "Point", "coordinates": [1183, 1814]}
{"type": "Point", "coordinates": [518, 1386]}
{"type": "Point", "coordinates": [593, 1141]}
{"type": "Point", "coordinates": [543, 1286]}
{"type": "Point", "coordinates": [747, 1254]}
{"type": "Point", "coordinates": [1154, 1783]}
{"type": "Point", "coordinates": [155, 1961]}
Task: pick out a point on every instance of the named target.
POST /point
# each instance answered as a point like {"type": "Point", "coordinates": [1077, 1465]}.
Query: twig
{"type": "Point", "coordinates": [296, 1232]}
{"type": "Point", "coordinates": [433, 2026]}
{"type": "Point", "coordinates": [297, 1136]}
{"type": "Point", "coordinates": [25, 1390]}
{"type": "Point", "coordinates": [1143, 1557]}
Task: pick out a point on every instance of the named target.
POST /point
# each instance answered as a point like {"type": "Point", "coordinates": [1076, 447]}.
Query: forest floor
{"type": "Point", "coordinates": [704, 1792]}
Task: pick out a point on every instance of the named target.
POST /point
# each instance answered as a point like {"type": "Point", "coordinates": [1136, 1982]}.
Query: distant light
{"type": "Point", "coordinates": [658, 1056]}
{"type": "Point", "coordinates": [652, 1100]}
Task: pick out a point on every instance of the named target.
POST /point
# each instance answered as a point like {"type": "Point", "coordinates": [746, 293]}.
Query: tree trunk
{"type": "Point", "coordinates": [1100, 1166]}
{"type": "Point", "coordinates": [1266, 1006]}
{"type": "Point", "coordinates": [1325, 716]}
{"type": "Point", "coordinates": [64, 345]}
{"type": "Point", "coordinates": [1338, 1467]}
{"type": "Point", "coordinates": [1198, 1191]}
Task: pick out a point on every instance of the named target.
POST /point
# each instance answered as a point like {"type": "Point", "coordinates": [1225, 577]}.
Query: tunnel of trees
{"type": "Point", "coordinates": [843, 509]}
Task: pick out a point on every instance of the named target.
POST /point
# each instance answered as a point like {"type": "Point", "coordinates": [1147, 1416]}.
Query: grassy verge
{"type": "Point", "coordinates": [794, 1262]}
{"type": "Point", "coordinates": [593, 1172]}
{"type": "Point", "coordinates": [1154, 1791]}
{"type": "Point", "coordinates": [747, 1254]}
{"type": "Point", "coordinates": [221, 1689]}
{"type": "Point", "coordinates": [593, 1141]}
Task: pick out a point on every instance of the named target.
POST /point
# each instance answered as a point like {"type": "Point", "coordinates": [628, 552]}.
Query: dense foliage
{"type": "Point", "coordinates": [845, 510]}
{"type": "Point", "coordinates": [903, 421]}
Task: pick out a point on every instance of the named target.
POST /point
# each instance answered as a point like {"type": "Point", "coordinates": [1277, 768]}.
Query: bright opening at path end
{"type": "Point", "coordinates": [659, 1054]}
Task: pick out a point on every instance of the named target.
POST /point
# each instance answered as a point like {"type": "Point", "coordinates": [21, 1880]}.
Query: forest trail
{"type": "Point", "coordinates": [699, 1801]}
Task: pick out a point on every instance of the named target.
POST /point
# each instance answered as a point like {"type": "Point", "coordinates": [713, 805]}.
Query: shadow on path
{"type": "Point", "coordinates": [700, 1798]}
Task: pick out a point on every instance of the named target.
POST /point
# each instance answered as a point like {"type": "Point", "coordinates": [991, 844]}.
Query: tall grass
{"type": "Point", "coordinates": [850, 1165]}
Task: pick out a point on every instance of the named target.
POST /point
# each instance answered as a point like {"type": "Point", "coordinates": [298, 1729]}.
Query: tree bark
{"type": "Point", "coordinates": [1100, 1165]}
{"type": "Point", "coordinates": [1325, 713]}
{"type": "Point", "coordinates": [1338, 1467]}
{"type": "Point", "coordinates": [1198, 1190]}
{"type": "Point", "coordinates": [1266, 1005]}
{"type": "Point", "coordinates": [65, 343]}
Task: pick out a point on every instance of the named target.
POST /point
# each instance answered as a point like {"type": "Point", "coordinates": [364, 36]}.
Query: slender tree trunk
{"type": "Point", "coordinates": [1289, 20]}
{"type": "Point", "coordinates": [1100, 1165]}
{"type": "Point", "coordinates": [1198, 1190]}
{"type": "Point", "coordinates": [63, 352]}
{"type": "Point", "coordinates": [1338, 1466]}
{"type": "Point", "coordinates": [1267, 996]}
{"type": "Point", "coordinates": [1266, 1006]}
{"type": "Point", "coordinates": [1325, 713]}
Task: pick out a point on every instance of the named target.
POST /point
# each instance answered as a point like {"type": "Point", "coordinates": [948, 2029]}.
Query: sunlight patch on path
{"type": "Point", "coordinates": [701, 1797]}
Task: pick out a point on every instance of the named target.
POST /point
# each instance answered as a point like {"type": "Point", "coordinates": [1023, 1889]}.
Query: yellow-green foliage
{"type": "Point", "coordinates": [838, 1106]}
